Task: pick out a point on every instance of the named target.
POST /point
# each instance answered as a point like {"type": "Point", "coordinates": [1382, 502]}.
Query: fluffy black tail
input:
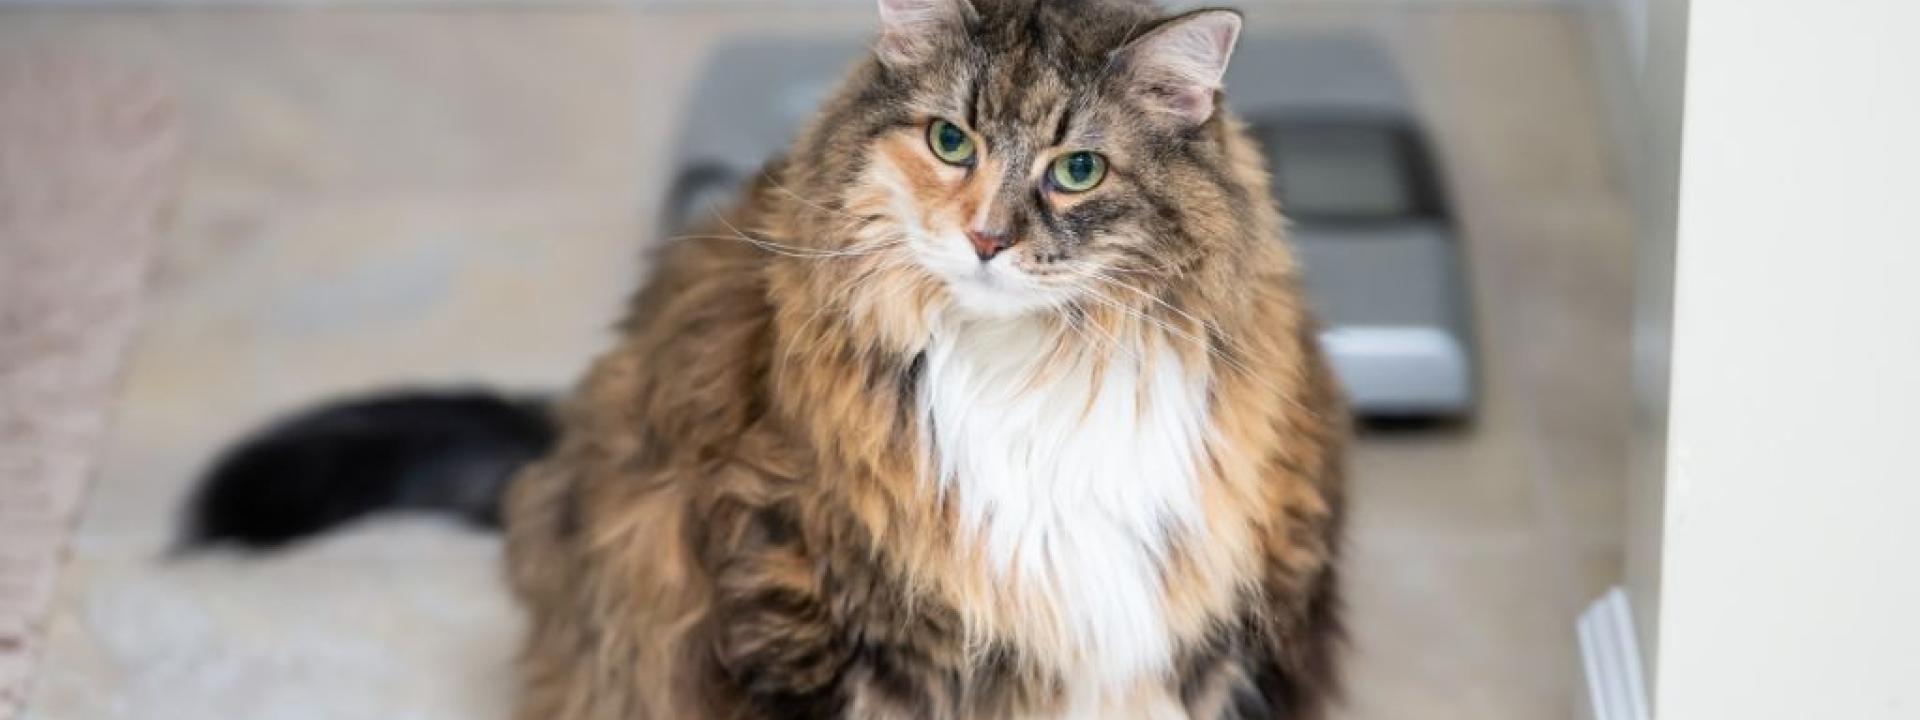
{"type": "Point", "coordinates": [451, 452]}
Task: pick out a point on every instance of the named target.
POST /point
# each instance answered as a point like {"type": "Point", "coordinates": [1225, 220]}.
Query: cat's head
{"type": "Point", "coordinates": [1030, 155]}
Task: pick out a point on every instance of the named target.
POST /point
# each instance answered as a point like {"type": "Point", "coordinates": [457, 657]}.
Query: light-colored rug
{"type": "Point", "coordinates": [87, 152]}
{"type": "Point", "coordinates": [390, 620]}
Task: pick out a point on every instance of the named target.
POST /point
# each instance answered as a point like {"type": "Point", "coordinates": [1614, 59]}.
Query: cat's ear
{"type": "Point", "coordinates": [909, 29]}
{"type": "Point", "coordinates": [1178, 65]}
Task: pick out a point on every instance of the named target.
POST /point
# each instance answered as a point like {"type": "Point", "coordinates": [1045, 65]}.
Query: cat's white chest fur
{"type": "Point", "coordinates": [1071, 479]}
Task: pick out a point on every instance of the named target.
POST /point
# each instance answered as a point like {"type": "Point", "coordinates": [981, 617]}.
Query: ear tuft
{"type": "Point", "coordinates": [1180, 63]}
{"type": "Point", "coordinates": [908, 28]}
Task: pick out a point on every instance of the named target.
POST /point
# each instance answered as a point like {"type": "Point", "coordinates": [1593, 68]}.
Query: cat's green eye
{"type": "Point", "coordinates": [949, 143]}
{"type": "Point", "coordinates": [1078, 171]}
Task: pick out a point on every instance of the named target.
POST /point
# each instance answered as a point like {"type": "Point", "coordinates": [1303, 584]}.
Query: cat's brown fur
{"type": "Point", "coordinates": [739, 522]}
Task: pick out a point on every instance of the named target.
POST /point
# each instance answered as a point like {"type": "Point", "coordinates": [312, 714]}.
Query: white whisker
{"type": "Point", "coordinates": [1205, 346]}
{"type": "Point", "coordinates": [809, 203]}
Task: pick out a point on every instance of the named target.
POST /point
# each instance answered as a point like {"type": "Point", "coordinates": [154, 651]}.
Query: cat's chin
{"type": "Point", "coordinates": [991, 294]}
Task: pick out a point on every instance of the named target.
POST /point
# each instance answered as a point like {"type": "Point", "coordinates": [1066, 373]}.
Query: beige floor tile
{"type": "Point", "coordinates": [1446, 632]}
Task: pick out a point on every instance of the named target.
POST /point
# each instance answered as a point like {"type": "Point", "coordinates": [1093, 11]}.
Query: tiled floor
{"type": "Point", "coordinates": [380, 197]}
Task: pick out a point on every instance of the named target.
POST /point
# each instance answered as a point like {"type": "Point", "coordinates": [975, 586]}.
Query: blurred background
{"type": "Point", "coordinates": [324, 197]}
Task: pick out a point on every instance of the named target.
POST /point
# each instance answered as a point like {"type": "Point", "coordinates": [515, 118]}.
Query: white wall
{"type": "Point", "coordinates": [1792, 534]}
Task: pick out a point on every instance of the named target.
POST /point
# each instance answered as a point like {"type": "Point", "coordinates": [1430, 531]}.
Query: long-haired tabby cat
{"type": "Point", "coordinates": [996, 397]}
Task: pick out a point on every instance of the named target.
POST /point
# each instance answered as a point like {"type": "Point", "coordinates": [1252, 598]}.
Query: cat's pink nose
{"type": "Point", "coordinates": [988, 244]}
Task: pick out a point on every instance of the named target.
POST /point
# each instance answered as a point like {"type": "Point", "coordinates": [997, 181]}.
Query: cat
{"type": "Point", "coordinates": [996, 396]}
